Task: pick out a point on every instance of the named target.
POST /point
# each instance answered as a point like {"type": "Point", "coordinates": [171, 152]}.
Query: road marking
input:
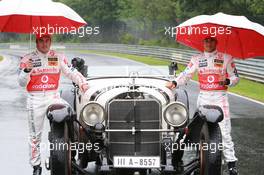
{"type": "Point", "coordinates": [247, 98]}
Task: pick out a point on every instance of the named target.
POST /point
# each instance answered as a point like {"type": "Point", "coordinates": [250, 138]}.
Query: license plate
{"type": "Point", "coordinates": [136, 162]}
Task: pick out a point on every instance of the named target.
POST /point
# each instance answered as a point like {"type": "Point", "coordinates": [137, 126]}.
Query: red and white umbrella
{"type": "Point", "coordinates": [26, 16]}
{"type": "Point", "coordinates": [236, 35]}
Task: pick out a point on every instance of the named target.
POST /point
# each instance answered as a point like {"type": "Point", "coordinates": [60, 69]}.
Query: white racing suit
{"type": "Point", "coordinates": [213, 69]}
{"type": "Point", "coordinates": [42, 85]}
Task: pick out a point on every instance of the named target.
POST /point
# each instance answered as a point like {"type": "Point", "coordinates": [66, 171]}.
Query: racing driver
{"type": "Point", "coordinates": [40, 74]}
{"type": "Point", "coordinates": [216, 72]}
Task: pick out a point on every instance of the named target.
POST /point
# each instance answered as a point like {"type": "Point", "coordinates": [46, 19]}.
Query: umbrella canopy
{"type": "Point", "coordinates": [236, 35]}
{"type": "Point", "coordinates": [28, 16]}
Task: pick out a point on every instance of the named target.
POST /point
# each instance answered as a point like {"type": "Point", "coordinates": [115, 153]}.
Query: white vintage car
{"type": "Point", "coordinates": [128, 122]}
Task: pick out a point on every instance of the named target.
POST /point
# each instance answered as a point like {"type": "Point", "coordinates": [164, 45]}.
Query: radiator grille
{"type": "Point", "coordinates": [138, 114]}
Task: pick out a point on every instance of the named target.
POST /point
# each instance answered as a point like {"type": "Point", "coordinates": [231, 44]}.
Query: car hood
{"type": "Point", "coordinates": [102, 90]}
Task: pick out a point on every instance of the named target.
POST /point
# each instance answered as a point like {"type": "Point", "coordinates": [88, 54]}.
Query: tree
{"type": "Point", "coordinates": [103, 13]}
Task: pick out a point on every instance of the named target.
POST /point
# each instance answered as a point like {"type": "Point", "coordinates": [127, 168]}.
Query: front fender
{"type": "Point", "coordinates": [206, 113]}
{"type": "Point", "coordinates": [59, 112]}
{"type": "Point", "coordinates": [195, 125]}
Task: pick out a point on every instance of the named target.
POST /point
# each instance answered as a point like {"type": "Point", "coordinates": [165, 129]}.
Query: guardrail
{"type": "Point", "coordinates": [252, 69]}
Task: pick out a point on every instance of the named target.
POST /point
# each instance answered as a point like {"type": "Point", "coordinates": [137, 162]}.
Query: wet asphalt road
{"type": "Point", "coordinates": [247, 119]}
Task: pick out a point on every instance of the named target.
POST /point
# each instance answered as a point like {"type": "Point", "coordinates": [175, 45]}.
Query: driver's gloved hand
{"type": "Point", "coordinates": [171, 85]}
{"type": "Point", "coordinates": [174, 83]}
{"type": "Point", "coordinates": [226, 82]}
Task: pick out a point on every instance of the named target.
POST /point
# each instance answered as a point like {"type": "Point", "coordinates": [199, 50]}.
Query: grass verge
{"type": "Point", "coordinates": [1, 58]}
{"type": "Point", "coordinates": [245, 87]}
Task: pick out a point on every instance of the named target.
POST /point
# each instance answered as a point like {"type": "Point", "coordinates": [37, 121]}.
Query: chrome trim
{"type": "Point", "coordinates": [92, 102]}
{"type": "Point", "coordinates": [160, 110]}
{"type": "Point", "coordinates": [98, 93]}
{"type": "Point", "coordinates": [179, 103]}
{"type": "Point", "coordinates": [140, 130]}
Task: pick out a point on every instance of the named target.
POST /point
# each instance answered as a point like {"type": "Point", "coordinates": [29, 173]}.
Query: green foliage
{"type": "Point", "coordinates": [127, 38]}
{"type": "Point", "coordinates": [253, 9]}
{"type": "Point", "coordinates": [104, 13]}
{"type": "Point", "coordinates": [257, 7]}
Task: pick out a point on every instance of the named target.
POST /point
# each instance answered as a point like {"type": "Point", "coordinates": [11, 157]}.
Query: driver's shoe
{"type": "Point", "coordinates": [232, 168]}
{"type": "Point", "coordinates": [37, 170]}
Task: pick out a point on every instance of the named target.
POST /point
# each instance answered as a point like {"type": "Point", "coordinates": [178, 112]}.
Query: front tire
{"type": "Point", "coordinates": [210, 156]}
{"type": "Point", "coordinates": [60, 153]}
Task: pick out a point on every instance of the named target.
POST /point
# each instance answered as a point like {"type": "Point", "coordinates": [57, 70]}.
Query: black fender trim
{"type": "Point", "coordinates": [211, 113]}
{"type": "Point", "coordinates": [207, 113]}
{"type": "Point", "coordinates": [194, 128]}
{"type": "Point", "coordinates": [59, 113]}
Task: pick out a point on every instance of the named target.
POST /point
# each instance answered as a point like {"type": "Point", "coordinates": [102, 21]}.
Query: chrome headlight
{"type": "Point", "coordinates": [93, 113]}
{"type": "Point", "coordinates": [175, 114]}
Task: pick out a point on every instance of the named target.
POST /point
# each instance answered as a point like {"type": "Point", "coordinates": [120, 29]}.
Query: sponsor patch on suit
{"type": "Point", "coordinates": [36, 62]}
{"type": "Point", "coordinates": [53, 61]}
{"type": "Point", "coordinates": [218, 63]}
{"type": "Point", "coordinates": [203, 63]}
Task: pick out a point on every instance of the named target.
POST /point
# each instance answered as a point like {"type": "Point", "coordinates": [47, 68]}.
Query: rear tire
{"type": "Point", "coordinates": [60, 154]}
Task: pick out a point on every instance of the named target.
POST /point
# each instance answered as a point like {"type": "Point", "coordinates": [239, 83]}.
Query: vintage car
{"type": "Point", "coordinates": [129, 122]}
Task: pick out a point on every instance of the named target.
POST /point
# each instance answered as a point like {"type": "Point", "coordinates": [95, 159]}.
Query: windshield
{"type": "Point", "coordinates": [105, 71]}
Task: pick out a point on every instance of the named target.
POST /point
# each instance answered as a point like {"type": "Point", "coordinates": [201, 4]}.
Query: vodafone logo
{"type": "Point", "coordinates": [211, 79]}
{"type": "Point", "coordinates": [44, 86]}
{"type": "Point", "coordinates": [44, 79]}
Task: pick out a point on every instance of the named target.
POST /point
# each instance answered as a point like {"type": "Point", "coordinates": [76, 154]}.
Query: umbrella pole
{"type": "Point", "coordinates": [226, 42]}
{"type": "Point", "coordinates": [30, 37]}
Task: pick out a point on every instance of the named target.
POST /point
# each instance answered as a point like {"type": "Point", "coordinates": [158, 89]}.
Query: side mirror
{"type": "Point", "coordinates": [173, 67]}
{"type": "Point", "coordinates": [79, 64]}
